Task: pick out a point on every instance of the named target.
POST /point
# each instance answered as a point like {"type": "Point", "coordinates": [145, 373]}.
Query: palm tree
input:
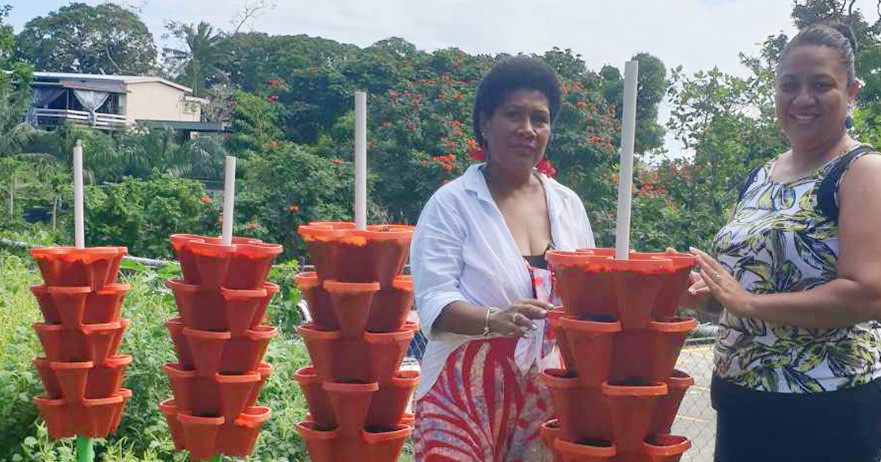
{"type": "Point", "coordinates": [196, 66]}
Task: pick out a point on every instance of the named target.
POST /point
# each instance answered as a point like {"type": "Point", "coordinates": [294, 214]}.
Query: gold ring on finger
{"type": "Point", "coordinates": [716, 276]}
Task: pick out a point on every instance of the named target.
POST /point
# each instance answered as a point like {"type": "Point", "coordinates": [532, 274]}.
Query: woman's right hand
{"type": "Point", "coordinates": [516, 319]}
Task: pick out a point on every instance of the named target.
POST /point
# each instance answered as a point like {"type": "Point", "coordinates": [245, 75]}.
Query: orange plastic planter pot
{"type": "Point", "coordinates": [207, 348]}
{"type": "Point", "coordinates": [265, 370]}
{"type": "Point", "coordinates": [50, 384]}
{"type": "Point", "coordinates": [324, 349]}
{"type": "Point", "coordinates": [322, 445]}
{"type": "Point", "coordinates": [317, 301]}
{"type": "Point", "coordinates": [105, 305]}
{"type": "Point", "coordinates": [234, 392]}
{"type": "Point", "coordinates": [70, 303]}
{"type": "Point", "coordinates": [240, 306]}
{"type": "Point", "coordinates": [250, 264]}
{"type": "Point", "coordinates": [351, 305]}
{"type": "Point", "coordinates": [385, 446]}
{"type": "Point", "coordinates": [375, 254]}
{"type": "Point", "coordinates": [649, 355]}
{"type": "Point", "coordinates": [260, 313]}
{"type": "Point", "coordinates": [69, 266]}
{"type": "Point", "coordinates": [630, 411]}
{"type": "Point", "coordinates": [168, 408]}
{"type": "Point", "coordinates": [199, 308]}
{"type": "Point", "coordinates": [322, 245]}
{"type": "Point", "coordinates": [101, 413]}
{"type": "Point", "coordinates": [126, 394]}
{"type": "Point", "coordinates": [390, 306]}
{"type": "Point", "coordinates": [350, 402]}
{"type": "Point", "coordinates": [180, 244]}
{"type": "Point", "coordinates": [390, 400]}
{"type": "Point", "coordinates": [549, 432]}
{"type": "Point", "coordinates": [243, 354]}
{"type": "Point", "coordinates": [553, 316]}
{"type": "Point", "coordinates": [316, 398]}
{"type": "Point", "coordinates": [200, 434]}
{"type": "Point", "coordinates": [597, 452]}
{"type": "Point", "coordinates": [665, 448]}
{"type": "Point", "coordinates": [237, 438]}
{"type": "Point", "coordinates": [72, 378]}
{"type": "Point", "coordinates": [212, 262]}
{"type": "Point", "coordinates": [106, 379]}
{"type": "Point", "coordinates": [175, 328]}
{"type": "Point", "coordinates": [387, 350]}
{"type": "Point", "coordinates": [47, 307]}
{"type": "Point", "coordinates": [102, 340]}
{"type": "Point", "coordinates": [591, 344]}
{"type": "Point", "coordinates": [668, 405]}
{"type": "Point", "coordinates": [582, 411]}
{"type": "Point", "coordinates": [55, 413]}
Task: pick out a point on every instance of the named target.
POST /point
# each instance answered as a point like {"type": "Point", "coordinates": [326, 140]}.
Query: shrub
{"type": "Point", "coordinates": [140, 214]}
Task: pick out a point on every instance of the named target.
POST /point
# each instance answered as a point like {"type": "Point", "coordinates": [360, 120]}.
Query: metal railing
{"type": "Point", "coordinates": [102, 119]}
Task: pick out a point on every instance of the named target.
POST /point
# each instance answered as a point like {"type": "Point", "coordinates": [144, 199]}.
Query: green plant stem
{"type": "Point", "coordinates": [216, 458]}
{"type": "Point", "coordinates": [85, 449]}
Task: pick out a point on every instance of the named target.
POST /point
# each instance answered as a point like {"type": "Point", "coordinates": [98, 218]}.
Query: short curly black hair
{"type": "Point", "coordinates": [509, 75]}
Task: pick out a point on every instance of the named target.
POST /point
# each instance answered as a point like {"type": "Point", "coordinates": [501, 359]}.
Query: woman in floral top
{"type": "Point", "coordinates": [797, 354]}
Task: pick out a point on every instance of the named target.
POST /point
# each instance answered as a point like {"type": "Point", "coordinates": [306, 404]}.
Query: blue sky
{"type": "Point", "coordinates": [697, 34]}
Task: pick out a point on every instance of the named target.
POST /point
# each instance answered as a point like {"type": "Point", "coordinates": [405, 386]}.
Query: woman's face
{"type": "Point", "coordinates": [812, 96]}
{"type": "Point", "coordinates": [517, 132]}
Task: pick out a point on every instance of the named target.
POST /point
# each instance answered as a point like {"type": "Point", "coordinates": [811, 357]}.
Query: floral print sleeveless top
{"type": "Point", "coordinates": [779, 241]}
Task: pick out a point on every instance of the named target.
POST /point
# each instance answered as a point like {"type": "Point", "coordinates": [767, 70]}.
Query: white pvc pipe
{"type": "Point", "coordinates": [360, 160]}
{"type": "Point", "coordinates": [625, 174]}
{"type": "Point", "coordinates": [229, 199]}
{"type": "Point", "coordinates": [79, 226]}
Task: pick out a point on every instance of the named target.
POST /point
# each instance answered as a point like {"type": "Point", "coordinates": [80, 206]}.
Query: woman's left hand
{"type": "Point", "coordinates": [724, 288]}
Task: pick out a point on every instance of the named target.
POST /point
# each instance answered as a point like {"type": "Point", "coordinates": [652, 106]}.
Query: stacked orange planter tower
{"type": "Point", "coordinates": [358, 301]}
{"type": "Point", "coordinates": [619, 336]}
{"type": "Point", "coordinates": [81, 371]}
{"type": "Point", "coordinates": [219, 339]}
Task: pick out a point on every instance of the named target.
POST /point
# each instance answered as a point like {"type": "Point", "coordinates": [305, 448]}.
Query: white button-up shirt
{"type": "Point", "coordinates": [462, 250]}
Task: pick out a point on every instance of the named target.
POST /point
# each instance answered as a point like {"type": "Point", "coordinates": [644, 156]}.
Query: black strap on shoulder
{"type": "Point", "coordinates": [829, 185]}
{"type": "Point", "coordinates": [749, 181]}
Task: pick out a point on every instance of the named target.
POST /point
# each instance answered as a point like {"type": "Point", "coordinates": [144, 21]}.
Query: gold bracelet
{"type": "Point", "coordinates": [489, 310]}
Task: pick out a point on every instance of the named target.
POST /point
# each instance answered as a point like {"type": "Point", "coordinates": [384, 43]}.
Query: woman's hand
{"type": "Point", "coordinates": [698, 294]}
{"type": "Point", "coordinates": [715, 280]}
{"type": "Point", "coordinates": [515, 320]}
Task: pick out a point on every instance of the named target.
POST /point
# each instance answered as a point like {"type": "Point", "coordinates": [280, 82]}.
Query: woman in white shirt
{"type": "Point", "coordinates": [481, 280]}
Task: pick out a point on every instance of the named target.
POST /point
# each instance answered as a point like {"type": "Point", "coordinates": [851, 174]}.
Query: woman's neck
{"type": "Point", "coordinates": [808, 158]}
{"type": "Point", "coordinates": [503, 183]}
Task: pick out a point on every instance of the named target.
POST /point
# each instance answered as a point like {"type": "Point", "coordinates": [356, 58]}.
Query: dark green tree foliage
{"type": "Point", "coordinates": [141, 213]}
{"type": "Point", "coordinates": [651, 88]}
{"type": "Point", "coordinates": [287, 186]}
{"type": "Point", "coordinates": [197, 64]}
{"type": "Point", "coordinates": [303, 73]}
{"type": "Point", "coordinates": [102, 39]}
{"type": "Point", "coordinates": [14, 90]}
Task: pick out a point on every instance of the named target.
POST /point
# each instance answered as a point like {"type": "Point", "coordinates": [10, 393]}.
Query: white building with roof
{"type": "Point", "coordinates": [114, 101]}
